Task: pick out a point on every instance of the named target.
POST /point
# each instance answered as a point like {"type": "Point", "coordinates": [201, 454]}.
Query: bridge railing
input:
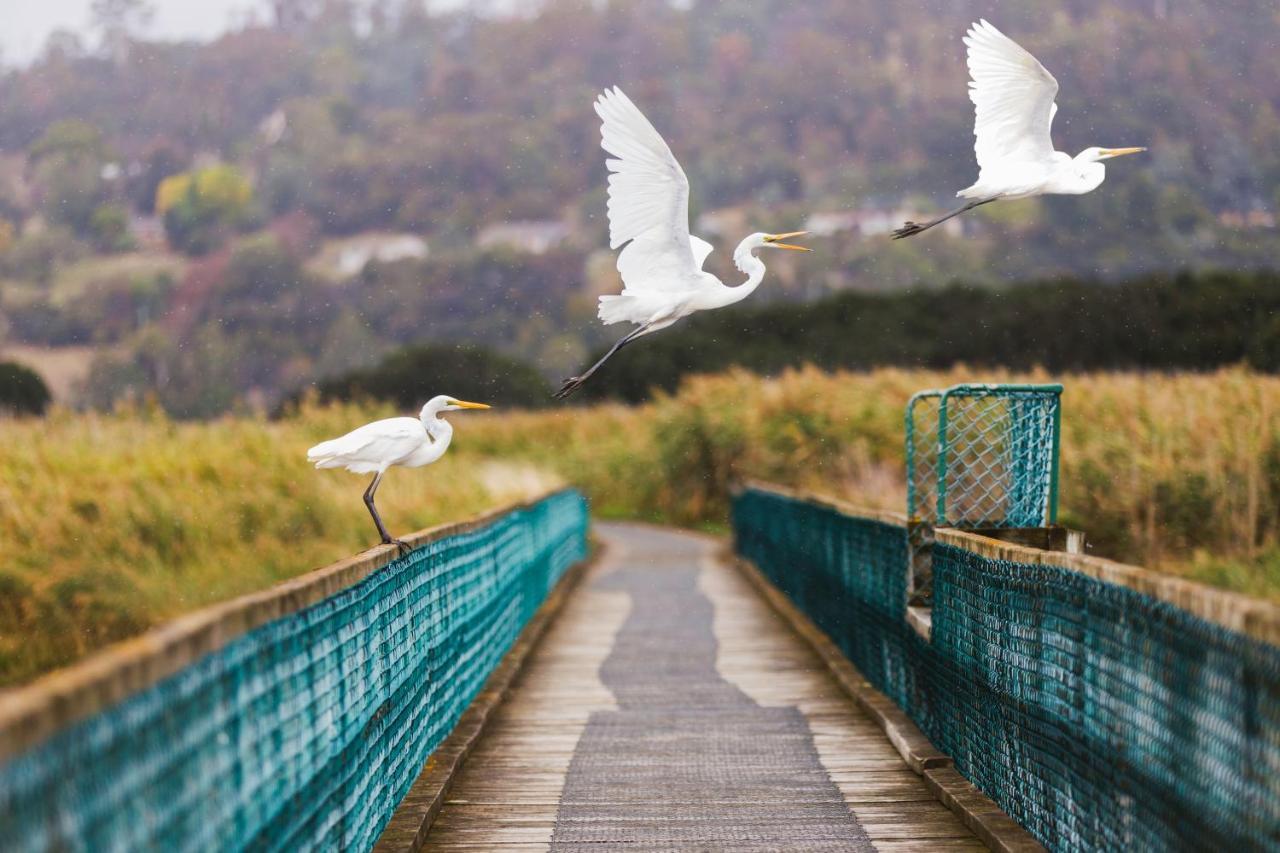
{"type": "Point", "coordinates": [295, 718]}
{"type": "Point", "coordinates": [1103, 706]}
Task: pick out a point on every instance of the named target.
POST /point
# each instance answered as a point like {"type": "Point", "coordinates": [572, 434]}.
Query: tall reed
{"type": "Point", "coordinates": [112, 523]}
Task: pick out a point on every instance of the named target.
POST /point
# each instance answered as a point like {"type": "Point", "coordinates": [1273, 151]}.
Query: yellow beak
{"type": "Point", "coordinates": [772, 240]}
{"type": "Point", "coordinates": [1120, 152]}
{"type": "Point", "coordinates": [463, 404]}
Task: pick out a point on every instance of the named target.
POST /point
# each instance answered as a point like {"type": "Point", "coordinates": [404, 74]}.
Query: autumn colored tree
{"type": "Point", "coordinates": [202, 208]}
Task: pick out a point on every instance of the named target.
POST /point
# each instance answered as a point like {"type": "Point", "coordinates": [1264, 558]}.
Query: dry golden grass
{"type": "Point", "coordinates": [1179, 472]}
{"type": "Point", "coordinates": [112, 523]}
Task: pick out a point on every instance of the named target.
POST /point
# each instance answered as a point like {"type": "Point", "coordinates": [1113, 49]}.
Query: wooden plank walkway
{"type": "Point", "coordinates": [619, 733]}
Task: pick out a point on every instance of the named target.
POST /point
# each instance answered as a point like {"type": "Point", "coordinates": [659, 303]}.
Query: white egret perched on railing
{"type": "Point", "coordinates": [1013, 98]}
{"type": "Point", "coordinates": [661, 264]}
{"type": "Point", "coordinates": [375, 447]}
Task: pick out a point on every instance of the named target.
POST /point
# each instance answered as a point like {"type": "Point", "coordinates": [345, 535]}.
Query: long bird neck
{"type": "Point", "coordinates": [1089, 173]}
{"type": "Point", "coordinates": [745, 260]}
{"type": "Point", "coordinates": [438, 428]}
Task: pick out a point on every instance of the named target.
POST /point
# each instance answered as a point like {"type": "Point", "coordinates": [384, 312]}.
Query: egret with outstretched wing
{"type": "Point", "coordinates": [660, 261]}
{"type": "Point", "coordinates": [375, 447]}
{"type": "Point", "coordinates": [1013, 98]}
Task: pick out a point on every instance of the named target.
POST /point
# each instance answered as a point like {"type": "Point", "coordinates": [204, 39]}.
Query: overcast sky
{"type": "Point", "coordinates": [25, 24]}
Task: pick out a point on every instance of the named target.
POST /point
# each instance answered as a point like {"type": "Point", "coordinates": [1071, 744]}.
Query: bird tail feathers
{"type": "Point", "coordinates": [324, 453]}
{"type": "Point", "coordinates": [616, 308]}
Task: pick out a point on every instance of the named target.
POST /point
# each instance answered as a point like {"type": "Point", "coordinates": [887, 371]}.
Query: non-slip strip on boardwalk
{"type": "Point", "coordinates": [688, 759]}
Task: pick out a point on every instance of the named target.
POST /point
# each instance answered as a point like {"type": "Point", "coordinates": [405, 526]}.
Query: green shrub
{"type": "Point", "coordinates": [1188, 321]}
{"type": "Point", "coordinates": [22, 391]}
{"type": "Point", "coordinates": [409, 377]}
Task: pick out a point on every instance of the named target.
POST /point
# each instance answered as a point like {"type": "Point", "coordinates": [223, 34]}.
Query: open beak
{"type": "Point", "coordinates": [1109, 153]}
{"type": "Point", "coordinates": [773, 240]}
{"type": "Point", "coordinates": [463, 404]}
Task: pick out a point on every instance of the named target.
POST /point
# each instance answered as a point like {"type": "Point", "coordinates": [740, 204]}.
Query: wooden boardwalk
{"type": "Point", "coordinates": [669, 708]}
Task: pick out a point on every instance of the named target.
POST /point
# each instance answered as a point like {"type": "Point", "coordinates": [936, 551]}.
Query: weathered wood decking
{"type": "Point", "coordinates": [668, 707]}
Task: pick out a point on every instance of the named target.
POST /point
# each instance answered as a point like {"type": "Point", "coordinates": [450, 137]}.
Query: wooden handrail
{"type": "Point", "coordinates": [884, 516]}
{"type": "Point", "coordinates": [1253, 617]}
{"type": "Point", "coordinates": [31, 713]}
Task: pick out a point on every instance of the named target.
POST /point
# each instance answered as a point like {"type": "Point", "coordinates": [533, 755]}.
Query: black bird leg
{"type": "Point", "coordinates": [913, 228]}
{"type": "Point", "coordinates": [573, 383]}
{"type": "Point", "coordinates": [377, 519]}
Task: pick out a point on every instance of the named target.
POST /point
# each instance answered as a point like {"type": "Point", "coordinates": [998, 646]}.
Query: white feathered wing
{"type": "Point", "coordinates": [371, 448]}
{"type": "Point", "coordinates": [648, 214]}
{"type": "Point", "coordinates": [1013, 98]}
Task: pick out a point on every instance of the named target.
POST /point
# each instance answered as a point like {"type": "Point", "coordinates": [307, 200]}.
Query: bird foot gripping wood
{"type": "Point", "coordinates": [402, 546]}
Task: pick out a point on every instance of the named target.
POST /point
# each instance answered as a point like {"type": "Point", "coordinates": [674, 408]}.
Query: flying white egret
{"type": "Point", "coordinates": [1013, 98]}
{"type": "Point", "coordinates": [375, 447]}
{"type": "Point", "coordinates": [661, 265]}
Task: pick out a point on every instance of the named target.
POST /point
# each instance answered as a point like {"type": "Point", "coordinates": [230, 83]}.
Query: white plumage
{"type": "Point", "coordinates": [648, 200]}
{"type": "Point", "coordinates": [377, 446]}
{"type": "Point", "coordinates": [660, 262]}
{"type": "Point", "coordinates": [1014, 106]}
{"type": "Point", "coordinates": [1013, 103]}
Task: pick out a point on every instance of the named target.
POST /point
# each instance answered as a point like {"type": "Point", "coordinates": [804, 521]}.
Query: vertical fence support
{"type": "Point", "coordinates": [942, 458]}
{"type": "Point", "coordinates": [1053, 472]}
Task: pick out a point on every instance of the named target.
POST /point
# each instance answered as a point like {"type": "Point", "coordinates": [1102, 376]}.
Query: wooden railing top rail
{"type": "Point", "coordinates": [31, 713]}
{"type": "Point", "coordinates": [885, 516]}
{"type": "Point", "coordinates": [1253, 617]}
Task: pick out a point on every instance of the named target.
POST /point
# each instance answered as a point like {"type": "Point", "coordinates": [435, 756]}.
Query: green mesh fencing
{"type": "Point", "coordinates": [1099, 718]}
{"type": "Point", "coordinates": [984, 455]}
{"type": "Point", "coordinates": [304, 733]}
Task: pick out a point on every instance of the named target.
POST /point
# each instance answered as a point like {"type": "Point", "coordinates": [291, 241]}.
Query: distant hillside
{"type": "Point", "coordinates": [476, 133]}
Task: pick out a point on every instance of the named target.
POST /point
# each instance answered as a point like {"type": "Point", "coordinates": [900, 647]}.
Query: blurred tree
{"type": "Point", "coordinates": [109, 228]}
{"type": "Point", "coordinates": [349, 345]}
{"type": "Point", "coordinates": [34, 256]}
{"type": "Point", "coordinates": [192, 379]}
{"type": "Point", "coordinates": [441, 121]}
{"type": "Point", "coordinates": [118, 22]}
{"type": "Point", "coordinates": [409, 377]}
{"type": "Point", "coordinates": [62, 45]}
{"type": "Point", "coordinates": [201, 209]}
{"type": "Point", "coordinates": [1264, 352]}
{"type": "Point", "coordinates": [1164, 322]}
{"type": "Point", "coordinates": [22, 391]}
{"type": "Point", "coordinates": [113, 307]}
{"type": "Point", "coordinates": [67, 161]}
{"type": "Point", "coordinates": [261, 271]}
{"type": "Point", "coordinates": [294, 15]}
{"type": "Point", "coordinates": [161, 159]}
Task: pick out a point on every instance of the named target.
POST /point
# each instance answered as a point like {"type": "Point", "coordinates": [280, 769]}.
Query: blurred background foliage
{"type": "Point", "coordinates": [334, 214]}
{"type": "Point", "coordinates": [1185, 321]}
{"type": "Point", "coordinates": [22, 391]}
{"type": "Point", "coordinates": [114, 522]}
{"type": "Point", "coordinates": [144, 184]}
{"type": "Point", "coordinates": [409, 377]}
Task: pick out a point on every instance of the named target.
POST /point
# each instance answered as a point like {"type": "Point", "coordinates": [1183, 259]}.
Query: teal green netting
{"type": "Point", "coordinates": [1097, 717]}
{"type": "Point", "coordinates": [306, 732]}
{"type": "Point", "coordinates": [989, 462]}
